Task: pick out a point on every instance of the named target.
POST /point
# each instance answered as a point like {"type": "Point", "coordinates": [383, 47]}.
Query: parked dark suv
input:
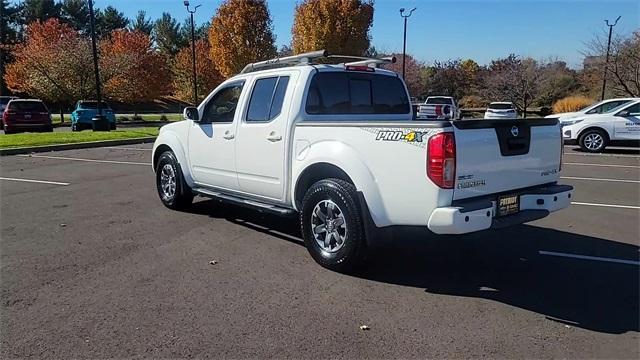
{"type": "Point", "coordinates": [26, 115]}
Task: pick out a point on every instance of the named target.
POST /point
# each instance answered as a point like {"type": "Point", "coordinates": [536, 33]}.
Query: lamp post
{"type": "Point", "coordinates": [606, 64]}
{"type": "Point", "coordinates": [193, 52]}
{"type": "Point", "coordinates": [404, 40]}
{"type": "Point", "coordinates": [98, 119]}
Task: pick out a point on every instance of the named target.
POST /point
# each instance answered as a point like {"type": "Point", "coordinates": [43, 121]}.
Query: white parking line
{"type": "Point", "coordinates": [586, 257]}
{"type": "Point", "coordinates": [87, 160]}
{"type": "Point", "coordinates": [602, 165]}
{"type": "Point", "coordinates": [606, 205]}
{"type": "Point", "coordinates": [605, 155]}
{"type": "Point", "coordinates": [599, 179]}
{"type": "Point", "coordinates": [36, 181]}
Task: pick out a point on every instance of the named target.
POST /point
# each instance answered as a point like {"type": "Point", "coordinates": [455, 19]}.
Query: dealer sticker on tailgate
{"type": "Point", "coordinates": [508, 204]}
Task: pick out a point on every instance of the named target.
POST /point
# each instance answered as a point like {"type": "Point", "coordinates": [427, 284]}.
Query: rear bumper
{"type": "Point", "coordinates": [480, 214]}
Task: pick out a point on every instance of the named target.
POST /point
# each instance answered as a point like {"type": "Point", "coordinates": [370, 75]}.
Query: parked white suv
{"type": "Point", "coordinates": [598, 108]}
{"type": "Point", "coordinates": [501, 110]}
{"type": "Point", "coordinates": [595, 132]}
{"type": "Point", "coordinates": [336, 145]}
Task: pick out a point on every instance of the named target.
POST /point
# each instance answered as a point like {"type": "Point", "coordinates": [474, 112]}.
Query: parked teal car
{"type": "Point", "coordinates": [87, 110]}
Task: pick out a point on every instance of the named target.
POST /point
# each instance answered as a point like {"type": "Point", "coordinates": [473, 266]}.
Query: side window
{"type": "Point", "coordinates": [610, 106]}
{"type": "Point", "coordinates": [222, 106]}
{"type": "Point", "coordinates": [634, 110]}
{"type": "Point", "coordinates": [596, 110]}
{"type": "Point", "coordinates": [267, 98]}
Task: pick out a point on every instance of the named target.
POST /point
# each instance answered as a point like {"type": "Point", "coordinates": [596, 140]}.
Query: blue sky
{"type": "Point", "coordinates": [438, 30]}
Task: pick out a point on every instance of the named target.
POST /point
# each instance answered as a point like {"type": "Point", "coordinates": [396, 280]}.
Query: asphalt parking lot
{"type": "Point", "coordinates": [93, 266]}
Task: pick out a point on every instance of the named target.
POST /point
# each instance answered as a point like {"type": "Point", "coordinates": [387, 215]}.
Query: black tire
{"type": "Point", "coordinates": [593, 141]}
{"type": "Point", "coordinates": [48, 128]}
{"type": "Point", "coordinates": [75, 127]}
{"type": "Point", "coordinates": [350, 254]}
{"type": "Point", "coordinates": [113, 126]}
{"type": "Point", "coordinates": [182, 196]}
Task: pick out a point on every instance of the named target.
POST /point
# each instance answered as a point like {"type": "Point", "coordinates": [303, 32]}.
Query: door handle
{"type": "Point", "coordinates": [274, 136]}
{"type": "Point", "coordinates": [228, 135]}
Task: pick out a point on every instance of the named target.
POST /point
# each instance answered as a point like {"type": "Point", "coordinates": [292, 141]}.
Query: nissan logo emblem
{"type": "Point", "coordinates": [515, 131]}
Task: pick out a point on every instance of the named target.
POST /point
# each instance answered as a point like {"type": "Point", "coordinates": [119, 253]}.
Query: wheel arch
{"type": "Point", "coordinates": [167, 141]}
{"type": "Point", "coordinates": [316, 172]}
{"type": "Point", "coordinates": [593, 127]}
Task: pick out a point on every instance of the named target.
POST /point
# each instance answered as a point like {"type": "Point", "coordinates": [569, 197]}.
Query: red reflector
{"type": "Point", "coordinates": [441, 160]}
{"type": "Point", "coordinates": [359, 68]}
{"type": "Point", "coordinates": [439, 110]}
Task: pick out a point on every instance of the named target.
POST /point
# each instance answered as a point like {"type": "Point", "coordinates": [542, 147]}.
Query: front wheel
{"type": "Point", "coordinates": [172, 189]}
{"type": "Point", "coordinates": [593, 141]}
{"type": "Point", "coordinates": [331, 225]}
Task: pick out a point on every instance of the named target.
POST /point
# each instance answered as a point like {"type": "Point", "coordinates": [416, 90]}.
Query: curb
{"type": "Point", "coordinates": [81, 145]}
{"type": "Point", "coordinates": [124, 124]}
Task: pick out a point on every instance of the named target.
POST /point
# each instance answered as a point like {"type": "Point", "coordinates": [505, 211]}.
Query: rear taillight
{"type": "Point", "coordinates": [441, 160]}
{"type": "Point", "coordinates": [359, 68]}
{"type": "Point", "coordinates": [561, 149]}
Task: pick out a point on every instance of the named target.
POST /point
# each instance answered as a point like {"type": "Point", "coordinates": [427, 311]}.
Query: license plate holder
{"type": "Point", "coordinates": [508, 204]}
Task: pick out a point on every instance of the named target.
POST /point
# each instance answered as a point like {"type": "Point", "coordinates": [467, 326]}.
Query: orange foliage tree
{"type": "Point", "coordinates": [208, 76]}
{"type": "Point", "coordinates": [338, 26]}
{"type": "Point", "coordinates": [53, 63]}
{"type": "Point", "coordinates": [240, 33]}
{"type": "Point", "coordinates": [132, 71]}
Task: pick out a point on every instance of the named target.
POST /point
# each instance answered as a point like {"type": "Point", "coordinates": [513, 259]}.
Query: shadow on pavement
{"type": "Point", "coordinates": [503, 265]}
{"type": "Point", "coordinates": [614, 151]}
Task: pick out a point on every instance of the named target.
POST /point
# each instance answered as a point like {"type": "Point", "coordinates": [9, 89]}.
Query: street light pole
{"type": "Point", "coordinates": [193, 52]}
{"type": "Point", "coordinates": [606, 64]}
{"type": "Point", "coordinates": [94, 47]}
{"type": "Point", "coordinates": [404, 39]}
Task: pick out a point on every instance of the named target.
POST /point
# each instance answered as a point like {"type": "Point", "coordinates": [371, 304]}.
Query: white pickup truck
{"type": "Point", "coordinates": [336, 145]}
{"type": "Point", "coordinates": [439, 108]}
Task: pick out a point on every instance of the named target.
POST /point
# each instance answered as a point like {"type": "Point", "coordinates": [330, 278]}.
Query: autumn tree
{"type": "Point", "coordinates": [53, 63]}
{"type": "Point", "coordinates": [241, 33]}
{"type": "Point", "coordinates": [514, 79]}
{"type": "Point", "coordinates": [208, 77]}
{"type": "Point", "coordinates": [338, 26]}
{"type": "Point", "coordinates": [9, 36]}
{"type": "Point", "coordinates": [414, 75]}
{"type": "Point", "coordinates": [133, 71]}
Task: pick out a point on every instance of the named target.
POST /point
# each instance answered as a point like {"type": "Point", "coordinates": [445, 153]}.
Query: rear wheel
{"type": "Point", "coordinates": [593, 140]}
{"type": "Point", "coordinates": [113, 126]}
{"type": "Point", "coordinates": [331, 225]}
{"type": "Point", "coordinates": [172, 189]}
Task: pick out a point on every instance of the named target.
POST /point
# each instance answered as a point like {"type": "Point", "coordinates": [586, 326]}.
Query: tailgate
{"type": "Point", "coordinates": [499, 156]}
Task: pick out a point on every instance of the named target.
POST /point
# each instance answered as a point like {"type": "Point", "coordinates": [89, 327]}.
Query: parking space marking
{"type": "Point", "coordinates": [586, 257]}
{"type": "Point", "coordinates": [36, 181]}
{"type": "Point", "coordinates": [604, 155]}
{"type": "Point", "coordinates": [602, 165]}
{"type": "Point", "coordinates": [599, 179]}
{"type": "Point", "coordinates": [606, 205]}
{"type": "Point", "coordinates": [87, 160]}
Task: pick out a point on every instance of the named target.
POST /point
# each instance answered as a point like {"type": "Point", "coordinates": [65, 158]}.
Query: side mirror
{"type": "Point", "coordinates": [191, 113]}
{"type": "Point", "coordinates": [623, 113]}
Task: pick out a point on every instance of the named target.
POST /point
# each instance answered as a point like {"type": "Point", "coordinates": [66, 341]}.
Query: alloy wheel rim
{"type": "Point", "coordinates": [168, 182]}
{"type": "Point", "coordinates": [329, 226]}
{"type": "Point", "coordinates": [593, 141]}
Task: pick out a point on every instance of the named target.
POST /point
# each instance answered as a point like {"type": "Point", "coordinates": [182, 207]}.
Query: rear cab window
{"type": "Point", "coordinates": [27, 106]}
{"type": "Point", "coordinates": [439, 101]}
{"type": "Point", "coordinates": [500, 106]}
{"type": "Point", "coordinates": [356, 93]}
{"type": "Point", "coordinates": [92, 105]}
